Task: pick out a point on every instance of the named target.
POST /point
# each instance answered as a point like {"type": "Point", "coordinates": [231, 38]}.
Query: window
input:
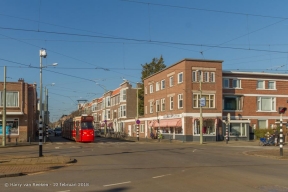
{"type": "Point", "coordinates": [146, 110]}
{"type": "Point", "coordinates": [163, 84]}
{"type": "Point", "coordinates": [266, 103]}
{"type": "Point", "coordinates": [209, 101]}
{"type": "Point", "coordinates": [162, 104]}
{"type": "Point", "coordinates": [194, 76]}
{"type": "Point", "coordinates": [225, 83]}
{"type": "Point", "coordinates": [260, 84]}
{"type": "Point", "coordinates": [151, 88]}
{"type": "Point", "coordinates": [145, 90]}
{"type": "Point", "coordinates": [212, 77]}
{"type": "Point", "coordinates": [11, 99]}
{"type": "Point", "coordinates": [262, 124]}
{"type": "Point", "coordinates": [123, 95]}
{"type": "Point", "coordinates": [238, 129]}
{"type": "Point", "coordinates": [157, 86]}
{"type": "Point", "coordinates": [180, 77]}
{"type": "Point", "coordinates": [157, 106]}
{"type": "Point", "coordinates": [108, 114]}
{"type": "Point", "coordinates": [208, 127]}
{"type": "Point", "coordinates": [171, 103]}
{"type": "Point", "coordinates": [115, 114]}
{"type": "Point", "coordinates": [171, 81]}
{"type": "Point", "coordinates": [206, 76]}
{"type": "Point", "coordinates": [151, 107]}
{"type": "Point", "coordinates": [11, 127]}
{"type": "Point", "coordinates": [271, 84]}
{"type": "Point", "coordinates": [236, 83]}
{"type": "Point", "coordinates": [141, 128]}
{"type": "Point", "coordinates": [108, 101]}
{"type": "Point", "coordinates": [123, 111]}
{"type": "Point", "coordinates": [180, 101]}
{"type": "Point", "coordinates": [232, 103]}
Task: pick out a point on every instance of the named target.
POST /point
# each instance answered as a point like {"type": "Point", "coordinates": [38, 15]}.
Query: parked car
{"type": "Point", "coordinates": [57, 131]}
{"type": "Point", "coordinates": [97, 133]}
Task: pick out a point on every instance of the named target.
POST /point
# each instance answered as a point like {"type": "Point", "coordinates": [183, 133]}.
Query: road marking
{"type": "Point", "coordinates": [63, 191]}
{"type": "Point", "coordinates": [160, 176]}
{"type": "Point", "coordinates": [116, 184]}
{"type": "Point", "coordinates": [57, 147]}
{"type": "Point", "coordinates": [36, 173]}
{"type": "Point", "coordinates": [194, 150]}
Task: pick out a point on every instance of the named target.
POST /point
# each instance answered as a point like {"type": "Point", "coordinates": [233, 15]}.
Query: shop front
{"type": "Point", "coordinates": [209, 130]}
{"type": "Point", "coordinates": [168, 128]}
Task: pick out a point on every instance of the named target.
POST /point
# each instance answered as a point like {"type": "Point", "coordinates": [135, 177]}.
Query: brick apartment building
{"type": "Point", "coordinates": [21, 111]}
{"type": "Point", "coordinates": [115, 107]}
{"type": "Point", "coordinates": [172, 98]}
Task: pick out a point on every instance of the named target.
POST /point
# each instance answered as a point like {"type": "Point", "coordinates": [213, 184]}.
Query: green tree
{"type": "Point", "coordinates": [149, 69]}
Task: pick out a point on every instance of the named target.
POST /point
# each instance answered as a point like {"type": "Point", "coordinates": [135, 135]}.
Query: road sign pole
{"type": "Point", "coordinates": [227, 127]}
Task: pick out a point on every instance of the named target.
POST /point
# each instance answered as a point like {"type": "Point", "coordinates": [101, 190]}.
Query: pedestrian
{"type": "Point", "coordinates": [276, 135]}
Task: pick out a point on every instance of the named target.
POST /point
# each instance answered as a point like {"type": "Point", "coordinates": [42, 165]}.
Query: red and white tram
{"type": "Point", "coordinates": [79, 129]}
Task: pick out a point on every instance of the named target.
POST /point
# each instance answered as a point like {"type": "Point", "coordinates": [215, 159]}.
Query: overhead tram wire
{"type": "Point", "coordinates": [207, 10]}
{"type": "Point", "coordinates": [138, 40]}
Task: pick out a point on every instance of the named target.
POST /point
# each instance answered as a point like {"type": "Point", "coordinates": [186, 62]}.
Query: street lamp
{"type": "Point", "coordinates": [43, 54]}
{"type": "Point", "coordinates": [201, 117]}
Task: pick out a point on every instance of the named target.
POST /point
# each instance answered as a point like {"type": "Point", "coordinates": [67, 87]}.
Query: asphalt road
{"type": "Point", "coordinates": [111, 165]}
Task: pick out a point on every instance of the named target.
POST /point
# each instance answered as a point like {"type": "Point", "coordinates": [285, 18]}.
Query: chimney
{"type": "Point", "coordinates": [21, 80]}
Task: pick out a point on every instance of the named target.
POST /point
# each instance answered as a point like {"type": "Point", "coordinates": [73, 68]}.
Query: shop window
{"type": "Point", "coordinates": [208, 127]}
{"type": "Point", "coordinates": [237, 129]}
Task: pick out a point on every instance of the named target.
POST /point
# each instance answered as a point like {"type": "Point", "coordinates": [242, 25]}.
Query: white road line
{"type": "Point", "coordinates": [116, 184]}
{"type": "Point", "coordinates": [63, 191]}
{"type": "Point", "coordinates": [36, 173]}
{"type": "Point", "coordinates": [194, 150]}
{"type": "Point", "coordinates": [160, 176]}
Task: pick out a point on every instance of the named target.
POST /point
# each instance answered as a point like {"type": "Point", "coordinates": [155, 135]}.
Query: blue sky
{"type": "Point", "coordinates": [104, 41]}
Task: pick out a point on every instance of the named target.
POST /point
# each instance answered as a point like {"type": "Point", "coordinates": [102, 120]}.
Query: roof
{"type": "Point", "coordinates": [185, 59]}
{"type": "Point", "coordinates": [254, 73]}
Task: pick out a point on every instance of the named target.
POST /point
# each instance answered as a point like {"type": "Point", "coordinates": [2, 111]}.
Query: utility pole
{"type": "Point", "coordinates": [4, 111]}
{"type": "Point", "coordinates": [137, 117]}
{"type": "Point", "coordinates": [201, 116]}
{"type": "Point", "coordinates": [227, 122]}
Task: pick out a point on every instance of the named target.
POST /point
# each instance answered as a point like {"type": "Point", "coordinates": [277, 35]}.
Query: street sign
{"type": "Point", "coordinates": [138, 121]}
{"type": "Point", "coordinates": [202, 102]}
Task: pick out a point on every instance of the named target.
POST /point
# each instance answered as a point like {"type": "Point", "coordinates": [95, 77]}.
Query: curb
{"type": "Point", "coordinates": [11, 175]}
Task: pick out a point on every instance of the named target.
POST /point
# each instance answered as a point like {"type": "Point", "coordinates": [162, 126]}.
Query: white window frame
{"type": "Point", "coordinates": [274, 85]}
{"type": "Point", "coordinates": [209, 100]}
{"type": "Point", "coordinates": [151, 88]}
{"type": "Point", "coordinates": [10, 102]}
{"type": "Point", "coordinates": [180, 98]}
{"type": "Point", "coordinates": [263, 85]}
{"type": "Point", "coordinates": [122, 110]}
{"type": "Point", "coordinates": [171, 103]}
{"type": "Point", "coordinates": [163, 84]}
{"type": "Point", "coordinates": [171, 79]}
{"type": "Point", "coordinates": [238, 83]}
{"type": "Point", "coordinates": [272, 104]}
{"type": "Point", "coordinates": [212, 77]}
{"type": "Point", "coordinates": [145, 90]}
{"type": "Point", "coordinates": [206, 76]}
{"type": "Point", "coordinates": [163, 104]}
{"type": "Point", "coordinates": [225, 81]}
{"type": "Point", "coordinates": [157, 86]}
{"type": "Point", "coordinates": [141, 128]}
{"type": "Point", "coordinates": [194, 76]}
{"type": "Point", "coordinates": [157, 106]}
{"type": "Point", "coordinates": [151, 107]}
{"type": "Point", "coordinates": [180, 77]}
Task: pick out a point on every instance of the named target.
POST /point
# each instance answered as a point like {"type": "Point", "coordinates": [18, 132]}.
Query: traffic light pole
{"type": "Point", "coordinates": [281, 136]}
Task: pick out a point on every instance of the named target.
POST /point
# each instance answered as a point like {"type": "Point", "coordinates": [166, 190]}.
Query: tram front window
{"type": "Point", "coordinates": [87, 125]}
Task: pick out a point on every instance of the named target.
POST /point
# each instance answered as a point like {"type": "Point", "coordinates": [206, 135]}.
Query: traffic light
{"type": "Point", "coordinates": [282, 110]}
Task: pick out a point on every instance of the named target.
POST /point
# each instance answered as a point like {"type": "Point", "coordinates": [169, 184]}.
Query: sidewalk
{"type": "Point", "coordinates": [11, 166]}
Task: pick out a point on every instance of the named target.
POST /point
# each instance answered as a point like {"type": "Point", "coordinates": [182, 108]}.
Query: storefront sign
{"type": "Point", "coordinates": [171, 116]}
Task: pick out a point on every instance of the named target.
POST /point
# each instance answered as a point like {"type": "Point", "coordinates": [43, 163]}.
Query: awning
{"type": "Point", "coordinates": [168, 123]}
{"type": "Point", "coordinates": [151, 124]}
{"type": "Point", "coordinates": [110, 124]}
